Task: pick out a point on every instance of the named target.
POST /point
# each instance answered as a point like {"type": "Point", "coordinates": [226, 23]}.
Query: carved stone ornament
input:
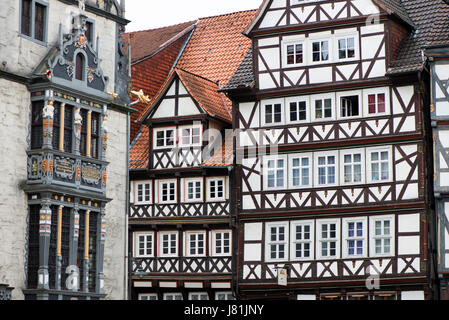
{"type": "Point", "coordinates": [78, 119]}
{"type": "Point", "coordinates": [82, 5]}
{"type": "Point", "coordinates": [48, 111]}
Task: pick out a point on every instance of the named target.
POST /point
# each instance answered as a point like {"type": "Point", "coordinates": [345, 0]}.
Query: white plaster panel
{"type": "Point", "coordinates": [365, 7]}
{"type": "Point", "coordinates": [253, 231]}
{"type": "Point", "coordinates": [245, 110]}
{"type": "Point", "coordinates": [182, 89]}
{"type": "Point", "coordinates": [444, 179]}
{"type": "Point", "coordinates": [265, 81]}
{"type": "Point", "coordinates": [252, 252]}
{"type": "Point", "coordinates": [302, 15]}
{"type": "Point", "coordinates": [268, 41]}
{"type": "Point", "coordinates": [442, 70]}
{"type": "Point", "coordinates": [278, 4]}
{"type": "Point", "coordinates": [412, 295]}
{"type": "Point", "coordinates": [370, 45]}
{"type": "Point", "coordinates": [165, 109]}
{"type": "Point", "coordinates": [408, 245]}
{"type": "Point", "coordinates": [408, 222]}
{"type": "Point", "coordinates": [187, 107]}
{"type": "Point", "coordinates": [372, 28]}
{"type": "Point", "coordinates": [320, 75]}
{"type": "Point", "coordinates": [444, 137]}
{"type": "Point", "coordinates": [172, 90]}
{"type": "Point", "coordinates": [446, 209]}
{"type": "Point", "coordinates": [442, 108]}
{"type": "Point", "coordinates": [271, 18]}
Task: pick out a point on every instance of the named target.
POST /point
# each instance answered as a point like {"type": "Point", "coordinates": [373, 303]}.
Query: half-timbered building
{"type": "Point", "coordinates": [331, 105]}
{"type": "Point", "coordinates": [181, 213]}
{"type": "Point", "coordinates": [64, 99]}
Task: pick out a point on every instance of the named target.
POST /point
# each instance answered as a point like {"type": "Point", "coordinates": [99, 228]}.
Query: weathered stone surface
{"type": "Point", "coordinates": [14, 123]}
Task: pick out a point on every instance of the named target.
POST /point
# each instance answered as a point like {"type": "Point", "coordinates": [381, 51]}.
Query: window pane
{"type": "Point", "coordinates": [26, 18]}
{"type": "Point", "coordinates": [39, 22]}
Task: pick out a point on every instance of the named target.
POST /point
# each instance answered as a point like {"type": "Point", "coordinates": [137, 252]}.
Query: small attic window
{"type": "Point", "coordinates": [79, 65]}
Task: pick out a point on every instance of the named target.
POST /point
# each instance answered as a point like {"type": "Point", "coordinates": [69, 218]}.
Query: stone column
{"type": "Point", "coordinates": [58, 248]}
{"type": "Point", "coordinates": [100, 251]}
{"type": "Point", "coordinates": [86, 253]}
{"type": "Point", "coordinates": [44, 245]}
{"type": "Point", "coordinates": [47, 115]}
{"type": "Point", "coordinates": [78, 122]}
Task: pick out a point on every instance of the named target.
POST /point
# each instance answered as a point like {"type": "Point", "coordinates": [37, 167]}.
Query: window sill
{"type": "Point", "coordinates": [41, 43]}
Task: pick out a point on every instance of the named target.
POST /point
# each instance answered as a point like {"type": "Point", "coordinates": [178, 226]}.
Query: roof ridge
{"type": "Point", "coordinates": [164, 27]}
{"type": "Point", "coordinates": [227, 14]}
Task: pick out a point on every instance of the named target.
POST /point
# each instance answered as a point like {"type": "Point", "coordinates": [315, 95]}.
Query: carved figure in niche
{"type": "Point", "coordinates": [78, 118]}
{"type": "Point", "coordinates": [48, 111]}
{"type": "Point", "coordinates": [82, 5]}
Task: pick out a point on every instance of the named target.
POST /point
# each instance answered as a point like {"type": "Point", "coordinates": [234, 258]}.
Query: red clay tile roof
{"type": "Point", "coordinates": [205, 92]}
{"type": "Point", "coordinates": [139, 153]}
{"type": "Point", "coordinates": [147, 42]}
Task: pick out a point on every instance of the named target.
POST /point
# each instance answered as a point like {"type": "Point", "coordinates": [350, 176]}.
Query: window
{"type": "Point", "coordinates": [354, 232]}
{"type": "Point", "coordinates": [346, 48]}
{"type": "Point", "coordinates": [168, 244]}
{"type": "Point", "coordinates": [68, 128]}
{"type": "Point", "coordinates": [79, 67]}
{"type": "Point", "coordinates": [172, 296]}
{"type": "Point", "coordinates": [297, 110]}
{"type": "Point", "coordinates": [295, 53]}
{"type": "Point", "coordinates": [382, 231]}
{"type": "Point", "coordinates": [326, 168]}
{"type": "Point", "coordinates": [143, 244]}
{"type": "Point", "coordinates": [376, 103]}
{"type": "Point", "coordinates": [275, 173]}
{"type": "Point", "coordinates": [95, 134]}
{"type": "Point", "coordinates": [302, 234]}
{"type": "Point", "coordinates": [83, 142]}
{"type": "Point", "coordinates": [300, 171]}
{"type": "Point", "coordinates": [221, 243]}
{"type": "Point", "coordinates": [224, 296]}
{"type": "Point", "coordinates": [322, 106]}
{"type": "Point", "coordinates": [216, 189]}
{"type": "Point", "coordinates": [349, 106]}
{"type": "Point", "coordinates": [358, 296]}
{"type": "Point", "coordinates": [165, 138]}
{"type": "Point", "coordinates": [37, 125]}
{"type": "Point", "coordinates": [328, 232]}
{"type": "Point", "coordinates": [273, 113]}
{"type": "Point", "coordinates": [198, 296]}
{"type": "Point", "coordinates": [352, 166]}
{"type": "Point", "coordinates": [190, 136]}
{"type": "Point", "coordinates": [148, 296]}
{"type": "Point", "coordinates": [90, 32]}
{"type": "Point", "coordinates": [56, 125]}
{"type": "Point", "coordinates": [143, 192]}
{"type": "Point", "coordinates": [195, 244]}
{"type": "Point", "coordinates": [193, 190]}
{"type": "Point", "coordinates": [320, 51]}
{"type": "Point", "coordinates": [167, 191]}
{"type": "Point", "coordinates": [276, 241]}
{"type": "Point", "coordinates": [379, 165]}
{"type": "Point", "coordinates": [33, 20]}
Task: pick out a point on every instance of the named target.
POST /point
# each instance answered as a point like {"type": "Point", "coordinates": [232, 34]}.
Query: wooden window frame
{"type": "Point", "coordinates": [321, 240]}
{"type": "Point", "coordinates": [317, 166]}
{"type": "Point", "coordinates": [376, 91]}
{"type": "Point", "coordinates": [165, 146]}
{"type": "Point", "coordinates": [373, 236]}
{"type": "Point", "coordinates": [187, 244]}
{"type": "Point", "coordinates": [343, 164]}
{"type": "Point", "coordinates": [216, 180]}
{"type": "Point", "coordinates": [291, 167]}
{"type": "Point", "coordinates": [213, 243]}
{"type": "Point", "coordinates": [173, 294]}
{"type": "Point", "coordinates": [190, 136]}
{"type": "Point", "coordinates": [32, 26]}
{"type": "Point", "coordinates": [137, 244]}
{"type": "Point", "coordinates": [286, 44]}
{"type": "Point", "coordinates": [346, 36]}
{"type": "Point", "coordinates": [340, 96]}
{"type": "Point", "coordinates": [369, 162]}
{"type": "Point", "coordinates": [277, 243]}
{"type": "Point", "coordinates": [272, 103]}
{"type": "Point", "coordinates": [276, 168]}
{"type": "Point", "coordinates": [187, 181]}
{"type": "Point", "coordinates": [310, 241]}
{"type": "Point", "coordinates": [160, 189]}
{"type": "Point", "coordinates": [199, 294]}
{"type": "Point", "coordinates": [297, 100]}
{"type": "Point", "coordinates": [313, 40]}
{"type": "Point", "coordinates": [346, 238]}
{"type": "Point", "coordinates": [161, 253]}
{"type": "Point", "coordinates": [136, 194]}
{"type": "Point", "coordinates": [323, 97]}
{"type": "Point", "coordinates": [141, 295]}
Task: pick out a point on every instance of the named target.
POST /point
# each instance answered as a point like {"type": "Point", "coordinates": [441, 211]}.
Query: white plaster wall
{"type": "Point", "coordinates": [115, 272]}
{"type": "Point", "coordinates": [23, 55]}
{"type": "Point", "coordinates": [14, 122]}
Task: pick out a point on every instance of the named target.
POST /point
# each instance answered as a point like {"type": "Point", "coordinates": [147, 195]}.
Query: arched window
{"type": "Point", "coordinates": [79, 73]}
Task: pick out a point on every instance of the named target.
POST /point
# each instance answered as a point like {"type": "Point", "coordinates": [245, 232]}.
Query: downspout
{"type": "Point", "coordinates": [127, 259]}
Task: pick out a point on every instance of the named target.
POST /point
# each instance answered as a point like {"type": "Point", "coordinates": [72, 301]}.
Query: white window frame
{"type": "Point", "coordinates": [367, 92]}
{"type": "Point", "coordinates": [266, 169]}
{"type": "Point", "coordinates": [191, 294]}
{"type": "Point", "coordinates": [316, 167]}
{"type": "Point", "coordinates": [320, 239]}
{"type": "Point", "coordinates": [313, 39]}
{"type": "Point", "coordinates": [294, 241]}
{"type": "Point", "coordinates": [346, 237]}
{"type": "Point", "coordinates": [373, 237]}
{"type": "Point", "coordinates": [297, 100]}
{"type": "Point", "coordinates": [187, 243]}
{"type": "Point", "coordinates": [352, 152]}
{"type": "Point", "coordinates": [165, 146]}
{"type": "Point", "coordinates": [369, 161]}
{"type": "Point", "coordinates": [173, 294]}
{"type": "Point", "coordinates": [291, 158]}
{"type": "Point", "coordinates": [285, 45]}
{"type": "Point", "coordinates": [148, 183]}
{"type": "Point", "coordinates": [186, 189]}
{"type": "Point", "coordinates": [213, 245]}
{"type": "Point", "coordinates": [137, 244]}
{"type": "Point", "coordinates": [141, 295]}
{"type": "Point", "coordinates": [208, 187]}
{"type": "Point", "coordinates": [269, 242]}
{"type": "Point", "coordinates": [322, 97]}
{"type": "Point", "coordinates": [272, 102]}
{"type": "Point", "coordinates": [340, 95]}
{"type": "Point", "coordinates": [160, 187]}
{"type": "Point", "coordinates": [346, 36]}
{"type": "Point", "coordinates": [161, 244]}
{"type": "Point", "coordinates": [190, 127]}
{"type": "Point", "coordinates": [227, 294]}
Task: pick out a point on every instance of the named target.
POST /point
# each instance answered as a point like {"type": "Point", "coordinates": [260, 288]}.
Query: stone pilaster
{"type": "Point", "coordinates": [78, 122]}
{"type": "Point", "coordinates": [44, 244]}
{"type": "Point", "coordinates": [100, 251]}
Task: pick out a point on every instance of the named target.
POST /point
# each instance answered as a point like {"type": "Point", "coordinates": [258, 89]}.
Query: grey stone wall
{"type": "Point", "coordinates": [14, 120]}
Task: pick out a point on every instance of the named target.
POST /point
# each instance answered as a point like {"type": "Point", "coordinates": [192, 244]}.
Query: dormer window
{"type": "Point", "coordinates": [79, 67]}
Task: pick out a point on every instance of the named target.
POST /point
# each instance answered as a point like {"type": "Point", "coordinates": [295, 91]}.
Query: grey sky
{"type": "Point", "coordinates": [151, 14]}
